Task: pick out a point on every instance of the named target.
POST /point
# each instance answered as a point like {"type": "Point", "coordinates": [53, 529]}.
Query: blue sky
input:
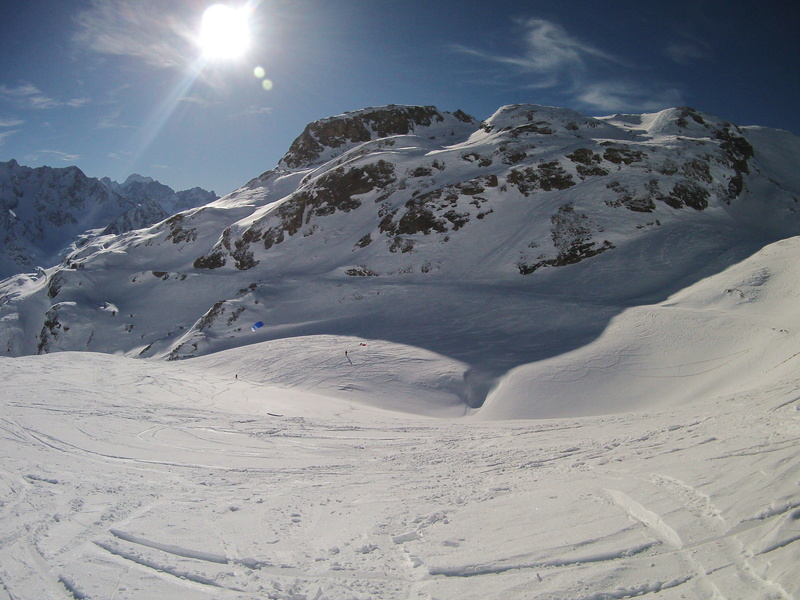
{"type": "Point", "coordinates": [117, 86]}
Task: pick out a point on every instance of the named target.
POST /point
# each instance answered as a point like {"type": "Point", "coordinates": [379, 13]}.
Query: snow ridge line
{"type": "Point", "coordinates": [72, 588]}
{"type": "Point", "coordinates": [171, 549]}
{"type": "Point", "coordinates": [496, 569]}
{"type": "Point", "coordinates": [648, 518]}
{"type": "Point", "coordinates": [180, 574]}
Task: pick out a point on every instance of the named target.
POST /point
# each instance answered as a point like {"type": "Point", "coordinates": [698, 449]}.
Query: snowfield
{"type": "Point", "coordinates": [657, 459]}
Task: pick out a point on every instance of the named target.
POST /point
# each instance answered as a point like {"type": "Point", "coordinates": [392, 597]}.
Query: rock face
{"type": "Point", "coordinates": [364, 207]}
{"type": "Point", "coordinates": [322, 139]}
{"type": "Point", "coordinates": [45, 210]}
{"type": "Point", "coordinates": [455, 176]}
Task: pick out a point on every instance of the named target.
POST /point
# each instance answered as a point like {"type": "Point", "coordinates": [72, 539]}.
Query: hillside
{"type": "Point", "coordinates": [666, 467]}
{"type": "Point", "coordinates": [45, 212]}
{"type": "Point", "coordinates": [544, 356]}
{"type": "Point", "coordinates": [494, 244]}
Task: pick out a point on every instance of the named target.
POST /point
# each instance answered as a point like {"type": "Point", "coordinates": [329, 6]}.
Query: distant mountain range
{"type": "Point", "coordinates": [45, 211]}
{"type": "Point", "coordinates": [496, 243]}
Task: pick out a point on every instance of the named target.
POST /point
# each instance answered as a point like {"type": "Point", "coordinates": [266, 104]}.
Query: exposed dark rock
{"type": "Point", "coordinates": [364, 241]}
{"type": "Point", "coordinates": [215, 260]}
{"type": "Point", "coordinates": [359, 127]}
{"type": "Point", "coordinates": [698, 170]}
{"type": "Point", "coordinates": [208, 319]}
{"type": "Point", "coordinates": [547, 177]}
{"type": "Point", "coordinates": [737, 151]}
{"type": "Point", "coordinates": [177, 232]}
{"type": "Point", "coordinates": [463, 117]}
{"type": "Point", "coordinates": [690, 194]}
{"type": "Point", "coordinates": [360, 271]}
{"type": "Point", "coordinates": [626, 156]}
{"type": "Point", "coordinates": [572, 234]}
{"type": "Point", "coordinates": [627, 199]}
{"type": "Point", "coordinates": [686, 111]}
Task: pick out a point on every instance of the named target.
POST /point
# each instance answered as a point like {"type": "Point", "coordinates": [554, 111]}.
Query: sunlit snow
{"type": "Point", "coordinates": [254, 473]}
{"type": "Point", "coordinates": [446, 427]}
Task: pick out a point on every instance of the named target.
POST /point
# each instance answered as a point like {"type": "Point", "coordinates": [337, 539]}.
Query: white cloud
{"type": "Point", "coordinates": [28, 96]}
{"type": "Point", "coordinates": [550, 48]}
{"type": "Point", "coordinates": [65, 156]}
{"type": "Point", "coordinates": [252, 111]}
{"type": "Point", "coordinates": [4, 135]}
{"type": "Point", "coordinates": [78, 102]}
{"type": "Point", "coordinates": [615, 96]}
{"type": "Point", "coordinates": [112, 121]}
{"type": "Point", "coordinates": [11, 122]}
{"type": "Point", "coordinates": [686, 52]}
{"type": "Point", "coordinates": [550, 54]}
{"type": "Point", "coordinates": [155, 31]}
{"type": "Point", "coordinates": [588, 76]}
{"type": "Point", "coordinates": [21, 91]}
{"type": "Point", "coordinates": [198, 101]}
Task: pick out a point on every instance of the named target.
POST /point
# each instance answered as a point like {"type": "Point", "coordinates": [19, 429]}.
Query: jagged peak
{"type": "Point", "coordinates": [136, 178]}
{"type": "Point", "coordinates": [340, 132]}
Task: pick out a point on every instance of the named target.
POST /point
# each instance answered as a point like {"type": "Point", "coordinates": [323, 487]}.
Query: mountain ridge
{"type": "Point", "coordinates": [46, 210]}
{"type": "Point", "coordinates": [496, 244]}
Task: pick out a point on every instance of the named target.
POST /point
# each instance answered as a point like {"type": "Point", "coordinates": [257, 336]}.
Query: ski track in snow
{"type": "Point", "coordinates": [279, 471]}
{"type": "Point", "coordinates": [184, 488]}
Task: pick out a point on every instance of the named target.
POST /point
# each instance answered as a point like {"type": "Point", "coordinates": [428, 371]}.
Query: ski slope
{"type": "Point", "coordinates": [660, 457]}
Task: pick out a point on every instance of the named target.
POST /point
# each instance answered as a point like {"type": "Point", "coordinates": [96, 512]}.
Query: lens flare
{"type": "Point", "coordinates": [259, 72]}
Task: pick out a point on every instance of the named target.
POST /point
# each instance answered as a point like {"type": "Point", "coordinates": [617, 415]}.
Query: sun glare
{"type": "Point", "coordinates": [224, 32]}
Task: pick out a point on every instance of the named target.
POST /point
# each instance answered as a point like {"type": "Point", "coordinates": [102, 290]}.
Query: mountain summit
{"type": "Point", "coordinates": [494, 243]}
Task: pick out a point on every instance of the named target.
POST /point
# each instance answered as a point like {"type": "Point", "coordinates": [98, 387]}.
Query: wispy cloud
{"type": "Point", "coordinates": [78, 102]}
{"type": "Point", "coordinates": [21, 91]}
{"type": "Point", "coordinates": [687, 51]}
{"type": "Point", "coordinates": [65, 156]}
{"type": "Point", "coordinates": [28, 96]}
{"type": "Point", "coordinates": [4, 135]}
{"type": "Point", "coordinates": [252, 111]}
{"type": "Point", "coordinates": [155, 31]}
{"type": "Point", "coordinates": [588, 76]}
{"type": "Point", "coordinates": [11, 122]}
{"type": "Point", "coordinates": [111, 120]}
{"type": "Point", "coordinates": [613, 96]}
{"type": "Point", "coordinates": [550, 54]}
{"type": "Point", "coordinates": [197, 100]}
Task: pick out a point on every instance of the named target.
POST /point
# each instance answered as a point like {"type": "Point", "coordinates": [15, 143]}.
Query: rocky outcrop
{"type": "Point", "coordinates": [336, 133]}
{"type": "Point", "coordinates": [533, 197]}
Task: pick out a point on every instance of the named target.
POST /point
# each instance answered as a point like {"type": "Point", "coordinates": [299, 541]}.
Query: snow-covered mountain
{"type": "Point", "coordinates": [496, 243]}
{"type": "Point", "coordinates": [141, 190]}
{"type": "Point", "coordinates": [45, 210]}
{"type": "Point", "coordinates": [601, 313]}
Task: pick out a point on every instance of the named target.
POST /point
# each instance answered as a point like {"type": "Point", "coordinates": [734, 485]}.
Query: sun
{"type": "Point", "coordinates": [224, 32]}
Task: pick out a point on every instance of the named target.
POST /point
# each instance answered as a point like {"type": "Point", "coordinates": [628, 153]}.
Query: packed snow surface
{"type": "Point", "coordinates": [668, 464]}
